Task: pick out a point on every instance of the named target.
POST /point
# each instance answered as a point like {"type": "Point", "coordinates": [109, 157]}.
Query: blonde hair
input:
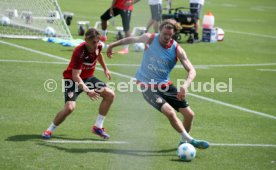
{"type": "Point", "coordinates": [170, 24]}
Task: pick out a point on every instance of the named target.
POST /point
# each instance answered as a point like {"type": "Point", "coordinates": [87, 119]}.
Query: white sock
{"type": "Point", "coordinates": [104, 33]}
{"type": "Point", "coordinates": [100, 121]}
{"type": "Point", "coordinates": [52, 127]}
{"type": "Point", "coordinates": [185, 137]}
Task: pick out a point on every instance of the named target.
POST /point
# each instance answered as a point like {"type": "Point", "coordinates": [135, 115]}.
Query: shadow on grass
{"type": "Point", "coordinates": [35, 137]}
{"type": "Point", "coordinates": [68, 148]}
{"type": "Point", "coordinates": [130, 152]}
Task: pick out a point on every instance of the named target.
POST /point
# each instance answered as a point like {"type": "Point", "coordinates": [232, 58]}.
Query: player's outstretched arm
{"type": "Point", "coordinates": [129, 40]}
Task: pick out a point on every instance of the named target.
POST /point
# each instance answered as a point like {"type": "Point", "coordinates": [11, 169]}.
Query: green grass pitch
{"type": "Point", "coordinates": [146, 141]}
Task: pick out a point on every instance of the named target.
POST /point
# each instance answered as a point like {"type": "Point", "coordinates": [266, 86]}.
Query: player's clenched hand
{"type": "Point", "coordinates": [93, 95]}
{"type": "Point", "coordinates": [109, 52]}
{"type": "Point", "coordinates": [107, 74]}
{"type": "Point", "coordinates": [181, 94]}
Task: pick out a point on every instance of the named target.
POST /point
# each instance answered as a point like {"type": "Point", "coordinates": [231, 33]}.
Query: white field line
{"type": "Point", "coordinates": [203, 66]}
{"type": "Point", "coordinates": [243, 145]}
{"type": "Point", "coordinates": [230, 65]}
{"type": "Point", "coordinates": [137, 65]}
{"type": "Point", "coordinates": [34, 51]}
{"type": "Point", "coordinates": [251, 34]}
{"type": "Point", "coordinates": [130, 77]}
{"type": "Point", "coordinates": [267, 70]}
{"type": "Point", "coordinates": [233, 106]}
{"type": "Point", "coordinates": [32, 61]}
{"type": "Point", "coordinates": [86, 142]}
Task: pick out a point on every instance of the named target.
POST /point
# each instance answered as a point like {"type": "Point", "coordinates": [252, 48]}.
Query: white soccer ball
{"type": "Point", "coordinates": [50, 32]}
{"type": "Point", "coordinates": [186, 152]}
{"type": "Point", "coordinates": [139, 47]}
{"type": "Point", "coordinates": [5, 20]}
{"type": "Point", "coordinates": [220, 34]}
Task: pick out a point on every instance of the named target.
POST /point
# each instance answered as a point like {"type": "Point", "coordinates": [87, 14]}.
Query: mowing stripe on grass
{"type": "Point", "coordinates": [126, 76]}
{"type": "Point", "coordinates": [124, 142]}
{"type": "Point", "coordinates": [242, 145]}
{"type": "Point", "coordinates": [86, 141]}
{"type": "Point", "coordinates": [248, 20]}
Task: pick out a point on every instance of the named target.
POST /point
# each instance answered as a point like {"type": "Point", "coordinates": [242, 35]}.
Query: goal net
{"type": "Point", "coordinates": [32, 19]}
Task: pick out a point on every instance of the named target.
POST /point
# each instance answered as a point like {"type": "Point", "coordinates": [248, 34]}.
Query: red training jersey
{"type": "Point", "coordinates": [120, 4]}
{"type": "Point", "coordinates": [82, 60]}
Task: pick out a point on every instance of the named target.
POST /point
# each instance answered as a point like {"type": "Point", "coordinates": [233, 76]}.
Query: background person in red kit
{"type": "Point", "coordinates": [123, 8]}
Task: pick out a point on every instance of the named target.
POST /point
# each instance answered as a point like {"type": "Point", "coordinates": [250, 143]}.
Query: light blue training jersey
{"type": "Point", "coordinates": [157, 63]}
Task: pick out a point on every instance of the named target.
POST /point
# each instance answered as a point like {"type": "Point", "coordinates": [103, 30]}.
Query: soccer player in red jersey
{"type": "Point", "coordinates": [79, 77]}
{"type": "Point", "coordinates": [118, 7]}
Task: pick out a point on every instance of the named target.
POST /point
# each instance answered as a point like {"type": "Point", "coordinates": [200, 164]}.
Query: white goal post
{"type": "Point", "coordinates": [32, 19]}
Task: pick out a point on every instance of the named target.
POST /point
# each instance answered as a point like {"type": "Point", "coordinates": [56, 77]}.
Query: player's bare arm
{"type": "Point", "coordinates": [102, 63]}
{"type": "Point", "coordinates": [129, 40]}
{"type": "Point", "coordinates": [182, 56]}
{"type": "Point", "coordinates": [76, 78]}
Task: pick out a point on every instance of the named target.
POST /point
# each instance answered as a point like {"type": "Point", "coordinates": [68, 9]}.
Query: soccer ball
{"type": "Point", "coordinates": [5, 20]}
{"type": "Point", "coordinates": [50, 32]}
{"type": "Point", "coordinates": [186, 152]}
{"type": "Point", "coordinates": [139, 47]}
{"type": "Point", "coordinates": [220, 34]}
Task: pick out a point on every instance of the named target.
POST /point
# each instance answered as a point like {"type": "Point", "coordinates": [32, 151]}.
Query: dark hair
{"type": "Point", "coordinates": [169, 24]}
{"type": "Point", "coordinates": [92, 33]}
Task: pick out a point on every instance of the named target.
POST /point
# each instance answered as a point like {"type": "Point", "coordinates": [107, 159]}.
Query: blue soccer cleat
{"type": "Point", "coordinates": [100, 132]}
{"type": "Point", "coordinates": [47, 134]}
{"type": "Point", "coordinates": [200, 144]}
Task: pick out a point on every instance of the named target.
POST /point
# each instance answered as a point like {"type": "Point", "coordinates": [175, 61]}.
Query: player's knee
{"type": "Point", "coordinates": [111, 94]}
{"type": "Point", "coordinates": [108, 94]}
{"type": "Point", "coordinates": [70, 107]}
{"type": "Point", "coordinates": [170, 113]}
{"type": "Point", "coordinates": [189, 115]}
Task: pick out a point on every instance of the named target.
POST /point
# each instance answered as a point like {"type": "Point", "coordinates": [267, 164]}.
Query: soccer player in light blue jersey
{"type": "Point", "coordinates": [160, 56]}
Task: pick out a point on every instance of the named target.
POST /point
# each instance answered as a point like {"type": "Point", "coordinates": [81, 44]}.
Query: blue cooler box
{"type": "Point", "coordinates": [209, 35]}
